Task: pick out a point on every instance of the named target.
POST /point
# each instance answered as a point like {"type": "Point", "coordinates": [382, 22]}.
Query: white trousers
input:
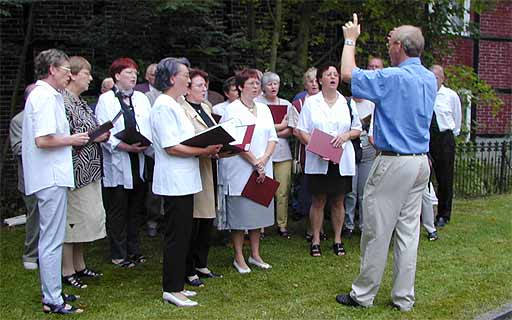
{"type": "Point", "coordinates": [392, 204]}
{"type": "Point", "coordinates": [52, 203]}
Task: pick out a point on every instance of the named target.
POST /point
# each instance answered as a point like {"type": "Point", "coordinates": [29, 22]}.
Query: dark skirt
{"type": "Point", "coordinates": [331, 183]}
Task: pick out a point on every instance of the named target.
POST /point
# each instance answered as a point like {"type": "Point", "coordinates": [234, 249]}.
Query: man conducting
{"type": "Point", "coordinates": [404, 98]}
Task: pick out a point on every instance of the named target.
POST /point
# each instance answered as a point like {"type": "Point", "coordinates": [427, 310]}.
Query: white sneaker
{"type": "Point", "coordinates": [170, 298]}
{"type": "Point", "coordinates": [30, 265]}
{"type": "Point", "coordinates": [240, 269]}
{"type": "Point", "coordinates": [262, 265]}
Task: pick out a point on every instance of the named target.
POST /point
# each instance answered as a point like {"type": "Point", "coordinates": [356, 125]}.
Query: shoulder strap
{"type": "Point", "coordinates": [350, 110]}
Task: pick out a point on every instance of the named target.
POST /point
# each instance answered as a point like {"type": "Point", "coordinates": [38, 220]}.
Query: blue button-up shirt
{"type": "Point", "coordinates": [404, 99]}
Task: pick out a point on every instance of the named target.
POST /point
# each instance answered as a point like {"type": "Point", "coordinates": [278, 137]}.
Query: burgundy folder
{"type": "Point", "coordinates": [245, 144]}
{"type": "Point", "coordinates": [98, 131]}
{"type": "Point", "coordinates": [261, 193]}
{"type": "Point", "coordinates": [320, 144]}
{"type": "Point", "coordinates": [278, 112]}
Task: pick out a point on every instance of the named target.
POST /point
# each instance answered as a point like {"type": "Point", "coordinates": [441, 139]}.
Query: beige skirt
{"type": "Point", "coordinates": [86, 216]}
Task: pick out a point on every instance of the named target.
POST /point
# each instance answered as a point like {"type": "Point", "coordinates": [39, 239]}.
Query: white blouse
{"type": "Point", "coordinates": [45, 115]}
{"type": "Point", "coordinates": [282, 151]}
{"type": "Point", "coordinates": [332, 120]}
{"type": "Point", "coordinates": [173, 175]}
{"type": "Point", "coordinates": [236, 170]}
{"type": "Point", "coordinates": [116, 163]}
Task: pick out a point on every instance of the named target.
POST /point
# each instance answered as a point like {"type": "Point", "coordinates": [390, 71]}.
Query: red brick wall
{"type": "Point", "coordinates": [494, 66]}
{"type": "Point", "coordinates": [462, 53]}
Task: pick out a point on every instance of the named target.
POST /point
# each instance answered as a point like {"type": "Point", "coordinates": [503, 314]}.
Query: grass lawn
{"type": "Point", "coordinates": [466, 273]}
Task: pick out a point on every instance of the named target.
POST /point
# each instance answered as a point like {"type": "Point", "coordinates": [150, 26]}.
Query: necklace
{"type": "Point", "coordinates": [251, 109]}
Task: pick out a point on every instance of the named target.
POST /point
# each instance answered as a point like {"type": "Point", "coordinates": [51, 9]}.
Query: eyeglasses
{"type": "Point", "coordinates": [199, 85]}
{"type": "Point", "coordinates": [389, 44]}
{"type": "Point", "coordinates": [66, 69]}
{"type": "Point", "coordinates": [253, 83]}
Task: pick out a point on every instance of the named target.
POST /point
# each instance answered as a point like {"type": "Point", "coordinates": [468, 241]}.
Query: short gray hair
{"type": "Point", "coordinates": [411, 38]}
{"type": "Point", "coordinates": [269, 77]}
{"type": "Point", "coordinates": [167, 68]}
{"type": "Point", "coordinates": [47, 58]}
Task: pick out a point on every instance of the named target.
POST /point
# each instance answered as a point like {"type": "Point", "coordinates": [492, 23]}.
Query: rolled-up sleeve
{"type": "Point", "coordinates": [371, 84]}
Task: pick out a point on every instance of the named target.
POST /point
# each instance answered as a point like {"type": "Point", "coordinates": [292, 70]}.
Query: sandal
{"type": "Point", "coordinates": [315, 251]}
{"type": "Point", "coordinates": [137, 258]}
{"type": "Point", "coordinates": [88, 273]}
{"type": "Point", "coordinates": [60, 308]}
{"type": "Point", "coordinates": [338, 249]}
{"type": "Point", "coordinates": [125, 263]}
{"type": "Point", "coordinates": [70, 297]}
{"type": "Point", "coordinates": [309, 236]}
{"type": "Point", "coordinates": [74, 281]}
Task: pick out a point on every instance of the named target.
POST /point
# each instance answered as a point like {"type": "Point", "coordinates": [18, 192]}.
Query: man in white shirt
{"type": "Point", "coordinates": [48, 168]}
{"type": "Point", "coordinates": [445, 126]}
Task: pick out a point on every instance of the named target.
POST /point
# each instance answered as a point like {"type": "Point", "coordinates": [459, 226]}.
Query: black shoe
{"type": "Point", "coordinates": [441, 222]}
{"type": "Point", "coordinates": [432, 236]}
{"type": "Point", "coordinates": [194, 282]}
{"type": "Point", "coordinates": [347, 233]}
{"type": "Point", "coordinates": [323, 236]}
{"type": "Point", "coordinates": [208, 275]}
{"type": "Point", "coordinates": [346, 300]}
{"type": "Point", "coordinates": [285, 234]}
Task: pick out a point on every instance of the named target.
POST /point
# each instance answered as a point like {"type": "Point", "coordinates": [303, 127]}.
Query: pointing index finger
{"type": "Point", "coordinates": [355, 18]}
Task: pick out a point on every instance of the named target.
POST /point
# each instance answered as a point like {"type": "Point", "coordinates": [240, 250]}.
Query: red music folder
{"type": "Point", "coordinates": [261, 193]}
{"type": "Point", "coordinates": [243, 144]}
{"type": "Point", "coordinates": [320, 144]}
{"type": "Point", "coordinates": [279, 111]}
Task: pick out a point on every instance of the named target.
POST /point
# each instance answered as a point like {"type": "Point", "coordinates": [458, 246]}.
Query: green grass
{"type": "Point", "coordinates": [466, 273]}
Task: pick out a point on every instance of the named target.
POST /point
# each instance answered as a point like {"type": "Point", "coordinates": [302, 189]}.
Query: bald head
{"type": "Point", "coordinates": [439, 73]}
{"type": "Point", "coordinates": [375, 64]}
{"type": "Point", "coordinates": [411, 39]}
{"type": "Point", "coordinates": [150, 73]}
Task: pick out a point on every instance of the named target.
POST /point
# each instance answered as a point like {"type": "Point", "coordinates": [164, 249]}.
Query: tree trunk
{"type": "Point", "coordinates": [303, 35]}
{"type": "Point", "coordinates": [276, 34]}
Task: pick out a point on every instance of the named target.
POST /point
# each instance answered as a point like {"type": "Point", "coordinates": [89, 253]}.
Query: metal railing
{"type": "Point", "coordinates": [483, 168]}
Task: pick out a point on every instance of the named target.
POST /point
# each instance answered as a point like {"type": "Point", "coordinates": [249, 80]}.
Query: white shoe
{"type": "Point", "coordinates": [188, 293]}
{"type": "Point", "coordinates": [170, 298]}
{"type": "Point", "coordinates": [30, 265]}
{"type": "Point", "coordinates": [240, 269]}
{"type": "Point", "coordinates": [262, 265]}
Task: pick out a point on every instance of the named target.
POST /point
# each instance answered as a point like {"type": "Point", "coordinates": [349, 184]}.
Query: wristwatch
{"type": "Point", "coordinates": [349, 42]}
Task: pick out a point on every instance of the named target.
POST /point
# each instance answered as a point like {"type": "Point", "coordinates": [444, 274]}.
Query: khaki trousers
{"type": "Point", "coordinates": [392, 204]}
{"type": "Point", "coordinates": [282, 173]}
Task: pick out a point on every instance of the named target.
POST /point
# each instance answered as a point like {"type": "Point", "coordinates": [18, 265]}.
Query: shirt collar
{"type": "Point", "coordinates": [413, 60]}
{"type": "Point", "coordinates": [48, 86]}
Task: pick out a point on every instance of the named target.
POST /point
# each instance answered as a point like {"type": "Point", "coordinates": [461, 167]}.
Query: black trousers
{"type": "Point", "coordinates": [125, 212]}
{"type": "Point", "coordinates": [178, 212]}
{"type": "Point", "coordinates": [199, 246]}
{"type": "Point", "coordinates": [442, 151]}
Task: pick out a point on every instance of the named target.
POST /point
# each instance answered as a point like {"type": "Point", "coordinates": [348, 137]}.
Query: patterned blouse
{"type": "Point", "coordinates": [86, 159]}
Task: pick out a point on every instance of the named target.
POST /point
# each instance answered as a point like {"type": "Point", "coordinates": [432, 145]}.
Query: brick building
{"type": "Point", "coordinates": [491, 57]}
